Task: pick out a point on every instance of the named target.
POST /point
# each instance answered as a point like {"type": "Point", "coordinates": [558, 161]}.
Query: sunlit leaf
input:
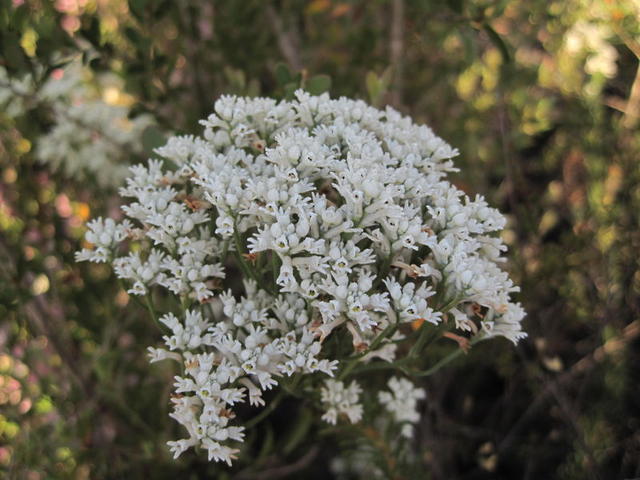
{"type": "Point", "coordinates": [318, 84]}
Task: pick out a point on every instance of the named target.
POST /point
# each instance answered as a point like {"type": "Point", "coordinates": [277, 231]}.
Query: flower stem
{"type": "Point", "coordinates": [248, 271]}
{"type": "Point", "coordinates": [390, 330]}
{"type": "Point", "coordinates": [275, 270]}
{"type": "Point", "coordinates": [266, 411]}
{"type": "Point", "coordinates": [446, 360]}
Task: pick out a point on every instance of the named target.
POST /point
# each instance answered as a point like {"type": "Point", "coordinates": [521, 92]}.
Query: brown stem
{"type": "Point", "coordinates": [632, 110]}
{"type": "Point", "coordinates": [396, 50]}
{"type": "Point", "coordinates": [283, 471]}
{"type": "Point", "coordinates": [614, 345]}
{"type": "Point", "coordinates": [288, 40]}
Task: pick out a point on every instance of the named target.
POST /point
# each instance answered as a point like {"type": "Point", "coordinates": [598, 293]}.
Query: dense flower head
{"type": "Point", "coordinates": [88, 136]}
{"type": "Point", "coordinates": [341, 400]}
{"type": "Point", "coordinates": [401, 401]}
{"type": "Point", "coordinates": [341, 223]}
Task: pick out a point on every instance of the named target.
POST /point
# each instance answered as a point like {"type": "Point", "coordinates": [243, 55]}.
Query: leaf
{"type": "Point", "coordinates": [13, 54]}
{"type": "Point", "coordinates": [318, 84]}
{"type": "Point", "coordinates": [19, 17]}
{"type": "Point", "coordinates": [92, 32]}
{"type": "Point", "coordinates": [498, 8]}
{"type": "Point", "coordinates": [152, 138]}
{"type": "Point", "coordinates": [498, 41]}
{"type": "Point", "coordinates": [289, 90]}
{"type": "Point", "coordinates": [456, 5]}
{"type": "Point", "coordinates": [372, 83]}
{"type": "Point", "coordinates": [377, 86]}
{"type": "Point", "coordinates": [136, 7]}
{"type": "Point", "coordinates": [133, 35]}
{"type": "Point", "coordinates": [283, 74]}
{"type": "Point", "coordinates": [236, 79]}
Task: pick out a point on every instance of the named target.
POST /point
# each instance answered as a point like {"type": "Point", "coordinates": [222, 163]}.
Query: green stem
{"type": "Point", "coordinates": [384, 270]}
{"type": "Point", "coordinates": [350, 366]}
{"type": "Point", "coordinates": [450, 304]}
{"type": "Point", "coordinates": [266, 411]}
{"type": "Point", "coordinates": [446, 360]}
{"type": "Point", "coordinates": [238, 253]}
{"type": "Point", "coordinates": [275, 269]}
{"type": "Point", "coordinates": [399, 365]}
{"type": "Point", "coordinates": [244, 265]}
{"type": "Point", "coordinates": [290, 388]}
{"type": "Point", "coordinates": [388, 331]}
{"type": "Point", "coordinates": [123, 408]}
{"type": "Point", "coordinates": [425, 337]}
{"type": "Point", "coordinates": [225, 251]}
{"type": "Point", "coordinates": [152, 310]}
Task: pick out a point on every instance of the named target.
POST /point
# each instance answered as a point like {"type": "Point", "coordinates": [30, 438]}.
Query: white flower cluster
{"type": "Point", "coordinates": [401, 402]}
{"type": "Point", "coordinates": [341, 222]}
{"type": "Point", "coordinates": [104, 235]}
{"type": "Point", "coordinates": [244, 353]}
{"type": "Point", "coordinates": [593, 38]}
{"type": "Point", "coordinates": [341, 400]}
{"type": "Point", "coordinates": [13, 94]}
{"type": "Point", "coordinates": [401, 405]}
{"type": "Point", "coordinates": [89, 137]}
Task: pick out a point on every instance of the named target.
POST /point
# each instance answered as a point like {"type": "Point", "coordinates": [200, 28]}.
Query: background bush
{"type": "Point", "coordinates": [541, 97]}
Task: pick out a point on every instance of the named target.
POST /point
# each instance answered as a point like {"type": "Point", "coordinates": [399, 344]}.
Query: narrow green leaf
{"type": "Point", "coordinates": [283, 75]}
{"type": "Point", "coordinates": [318, 84]}
{"type": "Point", "coordinates": [377, 86]}
{"type": "Point", "coordinates": [372, 82]}
{"type": "Point", "coordinates": [152, 138]}
{"type": "Point", "coordinates": [498, 41]}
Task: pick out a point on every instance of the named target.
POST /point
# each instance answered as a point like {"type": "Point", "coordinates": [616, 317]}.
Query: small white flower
{"type": "Point", "coordinates": [401, 402]}
{"type": "Point", "coordinates": [341, 400]}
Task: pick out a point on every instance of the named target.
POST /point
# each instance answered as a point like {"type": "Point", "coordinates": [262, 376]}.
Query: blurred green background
{"type": "Point", "coordinates": [542, 98]}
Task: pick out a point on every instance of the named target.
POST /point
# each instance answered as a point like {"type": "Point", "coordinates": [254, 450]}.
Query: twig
{"type": "Point", "coordinates": [265, 411]}
{"type": "Point", "coordinates": [632, 110]}
{"type": "Point", "coordinates": [569, 414]}
{"type": "Point", "coordinates": [396, 50]}
{"type": "Point", "coordinates": [288, 40]}
{"type": "Point", "coordinates": [615, 344]}
{"type": "Point", "coordinates": [510, 177]}
{"type": "Point", "coordinates": [36, 312]}
{"type": "Point", "coordinates": [189, 23]}
{"type": "Point", "coordinates": [283, 471]}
